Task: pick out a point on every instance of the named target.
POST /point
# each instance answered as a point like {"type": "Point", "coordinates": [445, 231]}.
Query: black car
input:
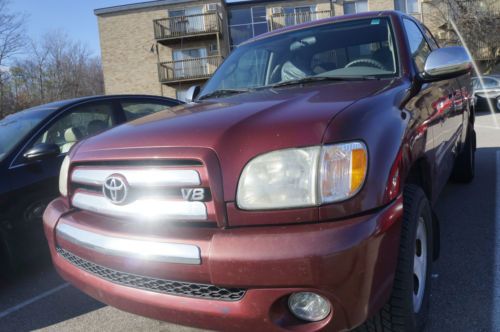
{"type": "Point", "coordinates": [489, 90]}
{"type": "Point", "coordinates": [33, 144]}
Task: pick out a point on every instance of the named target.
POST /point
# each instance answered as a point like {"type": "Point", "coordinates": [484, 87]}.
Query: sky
{"type": "Point", "coordinates": [75, 17]}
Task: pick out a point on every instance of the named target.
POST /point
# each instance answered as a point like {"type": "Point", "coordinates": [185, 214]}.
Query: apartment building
{"type": "Point", "coordinates": [163, 47]}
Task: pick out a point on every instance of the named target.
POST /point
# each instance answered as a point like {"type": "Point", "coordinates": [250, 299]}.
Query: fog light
{"type": "Point", "coordinates": [309, 306]}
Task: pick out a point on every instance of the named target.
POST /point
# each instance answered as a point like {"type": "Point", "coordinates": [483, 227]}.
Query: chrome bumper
{"type": "Point", "coordinates": [115, 246]}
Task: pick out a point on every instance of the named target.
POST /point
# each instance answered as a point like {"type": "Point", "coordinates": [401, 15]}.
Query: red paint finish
{"type": "Point", "coordinates": [271, 262]}
{"type": "Point", "coordinates": [346, 251]}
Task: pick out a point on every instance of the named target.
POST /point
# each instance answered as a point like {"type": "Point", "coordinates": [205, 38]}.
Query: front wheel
{"type": "Point", "coordinates": [408, 307]}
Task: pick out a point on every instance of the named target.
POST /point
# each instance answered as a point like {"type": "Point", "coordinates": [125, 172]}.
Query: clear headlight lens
{"type": "Point", "coordinates": [303, 177]}
{"type": "Point", "coordinates": [280, 179]}
{"type": "Point", "coordinates": [63, 177]}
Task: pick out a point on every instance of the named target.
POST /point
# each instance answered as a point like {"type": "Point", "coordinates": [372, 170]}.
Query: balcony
{"type": "Point", "coordinates": [278, 21]}
{"type": "Point", "coordinates": [198, 25]}
{"type": "Point", "coordinates": [188, 70]}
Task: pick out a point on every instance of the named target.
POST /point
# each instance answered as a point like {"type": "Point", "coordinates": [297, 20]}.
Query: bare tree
{"type": "Point", "coordinates": [56, 68]}
{"type": "Point", "coordinates": [477, 21]}
{"type": "Point", "coordinates": [11, 43]}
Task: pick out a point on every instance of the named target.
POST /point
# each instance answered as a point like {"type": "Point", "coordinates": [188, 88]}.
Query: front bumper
{"type": "Point", "coordinates": [350, 262]}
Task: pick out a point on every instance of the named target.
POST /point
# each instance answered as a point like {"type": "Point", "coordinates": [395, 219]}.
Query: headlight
{"type": "Point", "coordinates": [343, 171]}
{"type": "Point", "coordinates": [280, 179]}
{"type": "Point", "coordinates": [63, 176]}
{"type": "Point", "coordinates": [303, 177]}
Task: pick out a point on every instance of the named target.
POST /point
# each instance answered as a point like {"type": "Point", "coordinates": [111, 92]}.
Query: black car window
{"type": "Point", "coordinates": [78, 123]}
{"type": "Point", "coordinates": [418, 45]}
{"type": "Point", "coordinates": [137, 109]}
{"type": "Point", "coordinates": [15, 127]}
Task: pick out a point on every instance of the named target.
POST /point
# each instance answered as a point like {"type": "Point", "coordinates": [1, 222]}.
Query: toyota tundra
{"type": "Point", "coordinates": [295, 191]}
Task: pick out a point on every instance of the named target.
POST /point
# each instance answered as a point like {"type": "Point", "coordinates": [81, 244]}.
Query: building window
{"type": "Point", "coordinates": [190, 63]}
{"type": "Point", "coordinates": [246, 23]}
{"type": "Point", "coordinates": [407, 6]}
{"type": "Point", "coordinates": [186, 20]}
{"type": "Point", "coordinates": [297, 15]}
{"type": "Point", "coordinates": [353, 7]}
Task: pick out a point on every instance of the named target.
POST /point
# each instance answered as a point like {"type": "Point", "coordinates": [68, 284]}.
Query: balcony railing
{"type": "Point", "coordinates": [188, 70]}
{"type": "Point", "coordinates": [283, 20]}
{"type": "Point", "coordinates": [190, 25]}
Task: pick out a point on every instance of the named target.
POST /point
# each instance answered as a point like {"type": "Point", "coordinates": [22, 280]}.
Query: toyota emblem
{"type": "Point", "coordinates": [115, 189]}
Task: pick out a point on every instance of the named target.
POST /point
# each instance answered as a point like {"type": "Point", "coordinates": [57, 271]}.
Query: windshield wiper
{"type": "Point", "coordinates": [222, 92]}
{"type": "Point", "coordinates": [324, 78]}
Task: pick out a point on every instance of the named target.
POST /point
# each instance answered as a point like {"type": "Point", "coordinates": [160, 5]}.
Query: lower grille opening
{"type": "Point", "coordinates": [171, 287]}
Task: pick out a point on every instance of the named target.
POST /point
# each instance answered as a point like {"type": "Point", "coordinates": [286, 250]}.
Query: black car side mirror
{"type": "Point", "coordinates": [42, 151]}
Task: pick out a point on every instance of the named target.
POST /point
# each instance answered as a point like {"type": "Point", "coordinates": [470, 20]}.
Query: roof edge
{"type": "Point", "coordinates": [134, 6]}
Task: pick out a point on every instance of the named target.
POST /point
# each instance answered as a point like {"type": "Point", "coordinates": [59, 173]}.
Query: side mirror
{"type": "Point", "coordinates": [446, 62]}
{"type": "Point", "coordinates": [192, 93]}
{"type": "Point", "coordinates": [42, 151]}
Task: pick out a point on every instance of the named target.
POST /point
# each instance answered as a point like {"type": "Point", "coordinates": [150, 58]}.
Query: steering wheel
{"type": "Point", "coordinates": [371, 62]}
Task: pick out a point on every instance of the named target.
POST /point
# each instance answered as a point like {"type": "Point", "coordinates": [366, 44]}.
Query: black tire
{"type": "Point", "coordinates": [399, 313]}
{"type": "Point", "coordinates": [464, 168]}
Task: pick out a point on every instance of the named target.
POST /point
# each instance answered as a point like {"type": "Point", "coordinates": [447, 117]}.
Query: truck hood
{"type": "Point", "coordinates": [239, 127]}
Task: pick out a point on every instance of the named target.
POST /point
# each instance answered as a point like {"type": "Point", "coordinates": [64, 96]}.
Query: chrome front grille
{"type": "Point", "coordinates": [154, 284]}
{"type": "Point", "coordinates": [139, 192]}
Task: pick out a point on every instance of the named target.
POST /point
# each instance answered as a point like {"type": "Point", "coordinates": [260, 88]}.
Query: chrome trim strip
{"type": "Point", "coordinates": [147, 250]}
{"type": "Point", "coordinates": [142, 209]}
{"type": "Point", "coordinates": [139, 177]}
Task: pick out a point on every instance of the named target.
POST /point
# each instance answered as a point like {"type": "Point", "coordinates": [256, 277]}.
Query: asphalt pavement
{"type": "Point", "coordinates": [465, 279]}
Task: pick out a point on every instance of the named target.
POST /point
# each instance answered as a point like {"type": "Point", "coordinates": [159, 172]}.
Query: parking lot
{"type": "Point", "coordinates": [465, 281]}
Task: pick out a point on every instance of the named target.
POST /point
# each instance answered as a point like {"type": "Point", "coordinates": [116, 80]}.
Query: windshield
{"type": "Point", "coordinates": [354, 49]}
{"type": "Point", "coordinates": [15, 127]}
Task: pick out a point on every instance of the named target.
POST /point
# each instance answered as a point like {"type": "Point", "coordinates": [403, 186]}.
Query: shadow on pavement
{"type": "Point", "coordinates": [464, 276]}
{"type": "Point", "coordinates": [30, 285]}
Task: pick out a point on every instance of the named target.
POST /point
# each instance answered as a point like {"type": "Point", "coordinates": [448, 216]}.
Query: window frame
{"type": "Point", "coordinates": [355, 2]}
{"type": "Point", "coordinates": [419, 28]}
{"type": "Point", "coordinates": [252, 24]}
{"type": "Point", "coordinates": [405, 3]}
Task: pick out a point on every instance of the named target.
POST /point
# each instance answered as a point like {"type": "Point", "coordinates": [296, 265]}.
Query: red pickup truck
{"type": "Point", "coordinates": [294, 192]}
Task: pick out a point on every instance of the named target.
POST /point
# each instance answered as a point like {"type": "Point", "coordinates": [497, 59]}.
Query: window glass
{"type": "Point", "coordinates": [361, 6]}
{"type": "Point", "coordinates": [79, 123]}
{"type": "Point", "coordinates": [15, 127]}
{"type": "Point", "coordinates": [135, 110]}
{"type": "Point", "coordinates": [259, 29]}
{"type": "Point", "coordinates": [489, 83]}
{"type": "Point", "coordinates": [349, 8]}
{"type": "Point", "coordinates": [259, 14]}
{"type": "Point", "coordinates": [418, 45]}
{"type": "Point", "coordinates": [412, 6]}
{"type": "Point", "coordinates": [249, 71]}
{"type": "Point", "coordinates": [240, 33]}
{"type": "Point", "coordinates": [355, 48]}
{"type": "Point", "coordinates": [400, 5]}
{"type": "Point", "coordinates": [176, 13]}
{"type": "Point", "coordinates": [246, 23]}
{"type": "Point", "coordinates": [353, 7]}
{"type": "Point", "coordinates": [240, 16]}
{"type": "Point", "coordinates": [407, 6]}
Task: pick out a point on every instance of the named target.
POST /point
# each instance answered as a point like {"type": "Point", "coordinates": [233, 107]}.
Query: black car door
{"type": "Point", "coordinates": [35, 183]}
